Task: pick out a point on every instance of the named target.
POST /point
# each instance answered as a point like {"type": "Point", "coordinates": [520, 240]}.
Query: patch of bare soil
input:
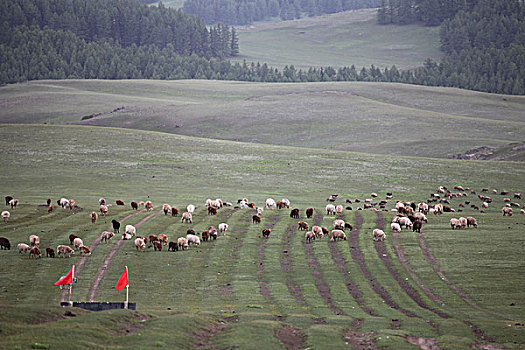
{"type": "Point", "coordinates": [203, 337]}
{"type": "Point", "coordinates": [361, 341]}
{"type": "Point", "coordinates": [136, 324]}
{"type": "Point", "coordinates": [488, 346]}
{"type": "Point", "coordinates": [423, 343]}
{"type": "Point", "coordinates": [359, 259]}
{"type": "Point", "coordinates": [292, 338]}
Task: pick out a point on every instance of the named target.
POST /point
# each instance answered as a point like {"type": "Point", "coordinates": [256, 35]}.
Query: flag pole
{"type": "Point", "coordinates": [126, 305]}
{"type": "Point", "coordinates": [71, 285]}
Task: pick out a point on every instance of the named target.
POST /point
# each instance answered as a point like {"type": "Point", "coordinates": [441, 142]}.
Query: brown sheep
{"type": "Point", "coordinates": [163, 238]}
{"type": "Point", "coordinates": [152, 238]}
{"type": "Point", "coordinates": [302, 226]}
{"type": "Point", "coordinates": [472, 222]}
{"type": "Point", "coordinates": [174, 211]}
{"type": "Point", "coordinates": [8, 199]}
{"type": "Point", "coordinates": [34, 252]}
{"type": "Point", "coordinates": [266, 233]}
{"type": "Point", "coordinates": [4, 243]}
{"type": "Point", "coordinates": [256, 219]}
{"type": "Point", "coordinates": [309, 213]}
{"type": "Point", "coordinates": [84, 250]}
{"type": "Point", "coordinates": [506, 211]}
{"type": "Point", "coordinates": [148, 205]}
{"type": "Point", "coordinates": [94, 217]}
{"type": "Point", "coordinates": [173, 246]}
{"type": "Point", "coordinates": [212, 211]}
{"type": "Point", "coordinates": [294, 213]}
{"type": "Point", "coordinates": [205, 235]}
{"type": "Point", "coordinates": [134, 205]}
{"type": "Point", "coordinates": [157, 246]}
{"type": "Point", "coordinates": [50, 252]}
{"type": "Point", "coordinates": [417, 226]}
{"type": "Point", "coordinates": [120, 202]}
{"type": "Point", "coordinates": [72, 238]}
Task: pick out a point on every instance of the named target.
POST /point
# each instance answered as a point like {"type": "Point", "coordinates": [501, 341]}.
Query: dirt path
{"type": "Point", "coordinates": [82, 261]}
{"type": "Point", "coordinates": [341, 264]}
{"type": "Point", "coordinates": [104, 268]}
{"type": "Point", "coordinates": [405, 286]}
{"type": "Point", "coordinates": [359, 259]}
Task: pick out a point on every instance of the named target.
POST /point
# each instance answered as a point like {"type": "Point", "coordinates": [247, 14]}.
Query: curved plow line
{"type": "Point", "coordinates": [82, 261]}
{"type": "Point", "coordinates": [340, 262]}
{"type": "Point", "coordinates": [358, 258]}
{"type": "Point", "coordinates": [104, 268]}
{"type": "Point", "coordinates": [322, 287]}
{"type": "Point", "coordinates": [383, 254]}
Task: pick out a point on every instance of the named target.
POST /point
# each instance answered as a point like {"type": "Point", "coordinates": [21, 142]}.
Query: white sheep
{"type": "Point", "coordinates": [339, 224]}
{"type": "Point", "coordinates": [286, 202]}
{"type": "Point", "coordinates": [330, 209]}
{"type": "Point", "coordinates": [5, 215]}
{"type": "Point", "coordinates": [395, 227]}
{"type": "Point", "coordinates": [190, 209]}
{"type": "Point", "coordinates": [193, 239]}
{"type": "Point", "coordinates": [270, 203]}
{"type": "Point", "coordinates": [34, 240]}
{"type": "Point", "coordinates": [223, 228]}
{"type": "Point", "coordinates": [404, 221]}
{"type": "Point", "coordinates": [187, 217]}
{"type": "Point", "coordinates": [379, 235]}
{"type": "Point", "coordinates": [63, 202]}
{"type": "Point", "coordinates": [22, 247]}
{"type": "Point", "coordinates": [139, 244]}
{"type": "Point", "coordinates": [339, 209]}
{"type": "Point", "coordinates": [77, 242]}
{"type": "Point", "coordinates": [130, 230]}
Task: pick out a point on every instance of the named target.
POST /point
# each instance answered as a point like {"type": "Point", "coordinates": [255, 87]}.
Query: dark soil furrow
{"type": "Point", "coordinates": [341, 264]}
{"type": "Point", "coordinates": [82, 261]}
{"type": "Point", "coordinates": [407, 288]}
{"type": "Point", "coordinates": [320, 284]}
{"type": "Point", "coordinates": [359, 259]}
{"type": "Point", "coordinates": [104, 268]}
{"type": "Point", "coordinates": [292, 338]}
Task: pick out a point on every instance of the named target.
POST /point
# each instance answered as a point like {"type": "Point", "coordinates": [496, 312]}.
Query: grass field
{"type": "Point", "coordinates": [337, 40]}
{"type": "Point", "coordinates": [393, 119]}
{"type": "Point", "coordinates": [457, 288]}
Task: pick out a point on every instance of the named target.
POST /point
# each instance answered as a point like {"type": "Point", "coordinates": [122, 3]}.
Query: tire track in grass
{"type": "Point", "coordinates": [383, 254]}
{"type": "Point", "coordinates": [320, 284]}
{"type": "Point", "coordinates": [359, 259]}
{"type": "Point", "coordinates": [341, 264]}
{"type": "Point", "coordinates": [104, 268]}
{"type": "Point", "coordinates": [82, 261]}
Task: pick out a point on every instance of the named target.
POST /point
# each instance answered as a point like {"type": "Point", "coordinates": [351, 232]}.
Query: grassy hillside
{"type": "Point", "coordinates": [241, 291]}
{"type": "Point", "coordinates": [342, 39]}
{"type": "Point", "coordinates": [391, 119]}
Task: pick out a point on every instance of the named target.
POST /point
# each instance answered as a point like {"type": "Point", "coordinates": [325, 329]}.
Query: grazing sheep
{"type": "Point", "coordinates": [339, 209]}
{"type": "Point", "coordinates": [337, 235]}
{"type": "Point", "coordinates": [373, 195]}
{"type": "Point", "coordinates": [332, 198]}
{"type": "Point", "coordinates": [63, 202]}
{"type": "Point", "coordinates": [223, 227]}
{"type": "Point", "coordinates": [94, 217]}
{"type": "Point", "coordinates": [256, 219]}
{"type": "Point", "coordinates": [34, 240]}
{"type": "Point", "coordinates": [484, 205]}
{"type": "Point", "coordinates": [116, 226]}
{"type": "Point", "coordinates": [302, 226]}
{"type": "Point", "coordinates": [417, 226]}
{"type": "Point", "coordinates": [420, 216]}
{"type": "Point", "coordinates": [101, 201]}
{"type": "Point", "coordinates": [134, 206]}
{"type": "Point", "coordinates": [266, 233]}
{"type": "Point", "coordinates": [163, 238]}
{"type": "Point", "coordinates": [34, 252]}
{"type": "Point", "coordinates": [131, 230]}
{"type": "Point", "coordinates": [438, 209]}
{"type": "Point", "coordinates": [318, 232]}
{"type": "Point", "coordinates": [126, 236]}
{"type": "Point", "coordinates": [152, 238]}
{"type": "Point", "coordinates": [64, 250]}
{"type": "Point", "coordinates": [260, 210]}
{"type": "Point", "coordinates": [404, 221]}
{"type": "Point", "coordinates": [205, 235]}
{"type": "Point", "coordinates": [140, 244]}
{"type": "Point", "coordinates": [8, 199]}
{"type": "Point", "coordinates": [294, 213]}
{"type": "Point", "coordinates": [103, 209]}
{"type": "Point", "coordinates": [213, 232]}
{"type": "Point", "coordinates": [463, 222]}
{"type": "Point", "coordinates": [212, 211]}
{"type": "Point", "coordinates": [348, 226]}
{"type": "Point", "coordinates": [50, 252]}
{"type": "Point", "coordinates": [193, 239]}
{"type": "Point", "coordinates": [339, 224]}
{"type": "Point", "coordinates": [106, 236]}
{"type": "Point", "coordinates": [84, 250]}
{"type": "Point", "coordinates": [141, 203]}
{"type": "Point", "coordinates": [166, 208]}
{"type": "Point", "coordinates": [148, 205]}
{"type": "Point", "coordinates": [183, 243]}
{"type": "Point", "coordinates": [190, 208]}
{"type": "Point", "coordinates": [325, 230]}
{"type": "Point", "coordinates": [309, 213]}
{"type": "Point", "coordinates": [309, 236]}
{"type": "Point", "coordinates": [286, 202]}
{"type": "Point", "coordinates": [173, 246]}
{"type": "Point", "coordinates": [157, 246]}
{"type": "Point", "coordinates": [379, 235]}
{"type": "Point", "coordinates": [72, 238]}
{"type": "Point", "coordinates": [6, 215]}
{"type": "Point", "coordinates": [330, 209]}
{"type": "Point", "coordinates": [4, 243]}
{"type": "Point", "coordinates": [187, 217]}
{"type": "Point", "coordinates": [522, 211]}
{"type": "Point", "coordinates": [174, 211]}
{"type": "Point", "coordinates": [119, 202]}
{"type": "Point", "coordinates": [270, 203]}
{"type": "Point", "coordinates": [422, 207]}
{"type": "Point", "coordinates": [506, 211]}
{"type": "Point", "coordinates": [13, 203]}
{"type": "Point", "coordinates": [77, 242]}
{"type": "Point", "coordinates": [22, 247]}
{"type": "Point", "coordinates": [454, 223]}
{"type": "Point", "coordinates": [472, 222]}
{"type": "Point", "coordinates": [395, 227]}
{"type": "Point", "coordinates": [517, 195]}
{"type": "Point", "coordinates": [50, 208]}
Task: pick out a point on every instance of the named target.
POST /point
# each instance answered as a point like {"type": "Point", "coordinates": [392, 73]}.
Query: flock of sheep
{"type": "Point", "coordinates": [409, 215]}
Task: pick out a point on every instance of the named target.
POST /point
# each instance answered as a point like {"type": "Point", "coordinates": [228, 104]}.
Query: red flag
{"type": "Point", "coordinates": [123, 280]}
{"type": "Point", "coordinates": [67, 279]}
